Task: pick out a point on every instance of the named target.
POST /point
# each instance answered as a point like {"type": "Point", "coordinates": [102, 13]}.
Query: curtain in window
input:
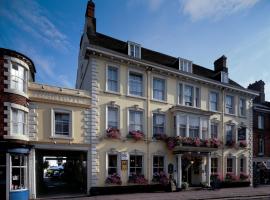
{"type": "Point", "coordinates": [18, 75]}
{"type": "Point", "coordinates": [159, 123]}
{"type": "Point", "coordinates": [135, 84]}
{"type": "Point", "coordinates": [112, 117]}
{"type": "Point", "coordinates": [18, 121]}
{"type": "Point", "coordinates": [113, 79]}
{"type": "Point", "coordinates": [135, 120]}
{"type": "Point", "coordinates": [188, 95]}
{"type": "Point", "coordinates": [194, 124]}
{"type": "Point", "coordinates": [183, 125]}
{"type": "Point", "coordinates": [159, 89]}
{"type": "Point", "coordinates": [204, 128]}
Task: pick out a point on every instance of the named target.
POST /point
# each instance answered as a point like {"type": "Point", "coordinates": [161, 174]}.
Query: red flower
{"type": "Point", "coordinates": [242, 144]}
{"type": "Point", "coordinates": [136, 135]}
{"type": "Point", "coordinates": [113, 133]}
{"type": "Point", "coordinates": [113, 179]}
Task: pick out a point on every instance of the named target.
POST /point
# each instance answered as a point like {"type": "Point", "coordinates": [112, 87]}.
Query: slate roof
{"type": "Point", "coordinates": [119, 46]}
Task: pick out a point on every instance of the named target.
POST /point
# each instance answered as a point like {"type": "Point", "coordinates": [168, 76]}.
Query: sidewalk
{"type": "Point", "coordinates": [237, 193]}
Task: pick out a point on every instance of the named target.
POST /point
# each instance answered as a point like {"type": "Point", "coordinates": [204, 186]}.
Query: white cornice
{"type": "Point", "coordinates": [194, 77]}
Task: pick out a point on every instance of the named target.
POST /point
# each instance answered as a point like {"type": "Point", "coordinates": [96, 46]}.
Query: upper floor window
{"type": "Point", "coordinates": [229, 133]}
{"type": "Point", "coordinates": [214, 130]}
{"type": "Point", "coordinates": [135, 120]}
{"type": "Point", "coordinates": [194, 127]}
{"type": "Point", "coordinates": [261, 146]}
{"type": "Point", "coordinates": [158, 124]}
{"type": "Point", "coordinates": [213, 101]}
{"type": "Point", "coordinates": [112, 164]}
{"type": "Point", "coordinates": [18, 77]}
{"type": "Point", "coordinates": [159, 89]}
{"type": "Point", "coordinates": [112, 118]}
{"type": "Point", "coordinates": [242, 107]}
{"type": "Point", "coordinates": [229, 165]}
{"type": "Point", "coordinates": [189, 95]}
{"type": "Point", "coordinates": [185, 65]}
{"type": "Point", "coordinates": [134, 50]}
{"type": "Point", "coordinates": [204, 125]}
{"type": "Point", "coordinates": [158, 164]}
{"type": "Point", "coordinates": [214, 165]}
{"type": "Point", "coordinates": [62, 123]}
{"type": "Point", "coordinates": [18, 122]}
{"type": "Point", "coordinates": [260, 121]}
{"type": "Point", "coordinates": [112, 79]}
{"type": "Point", "coordinates": [135, 84]}
{"type": "Point", "coordinates": [136, 164]}
{"type": "Point", "coordinates": [224, 77]}
{"type": "Point", "coordinates": [242, 134]}
{"type": "Point", "coordinates": [229, 104]}
{"type": "Point", "coordinates": [242, 163]}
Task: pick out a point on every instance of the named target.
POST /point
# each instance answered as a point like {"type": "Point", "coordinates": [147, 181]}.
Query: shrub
{"type": "Point", "coordinates": [113, 179]}
{"type": "Point", "coordinates": [161, 178]}
{"type": "Point", "coordinates": [137, 179]}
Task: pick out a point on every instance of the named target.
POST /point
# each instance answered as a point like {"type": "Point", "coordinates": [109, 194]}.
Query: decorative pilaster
{"type": "Point", "coordinates": [33, 122]}
{"type": "Point", "coordinates": [208, 169]}
{"type": "Point", "coordinates": [179, 170]}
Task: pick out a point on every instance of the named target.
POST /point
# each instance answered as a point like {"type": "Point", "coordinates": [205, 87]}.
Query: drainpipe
{"type": "Point", "coordinates": [222, 131]}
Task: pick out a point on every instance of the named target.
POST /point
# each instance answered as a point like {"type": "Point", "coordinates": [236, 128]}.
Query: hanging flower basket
{"type": "Point", "coordinates": [136, 135]}
{"type": "Point", "coordinates": [113, 179]}
{"type": "Point", "coordinates": [113, 133]}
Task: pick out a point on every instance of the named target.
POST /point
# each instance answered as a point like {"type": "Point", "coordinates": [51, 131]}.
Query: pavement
{"type": "Point", "coordinates": [262, 192]}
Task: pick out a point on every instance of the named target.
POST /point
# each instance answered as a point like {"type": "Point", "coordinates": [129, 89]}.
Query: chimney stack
{"type": "Point", "coordinates": [221, 64]}
{"type": "Point", "coordinates": [90, 18]}
{"type": "Point", "coordinates": [258, 86]}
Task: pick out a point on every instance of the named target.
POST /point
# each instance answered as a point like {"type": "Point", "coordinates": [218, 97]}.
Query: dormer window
{"type": "Point", "coordinates": [134, 50]}
{"type": "Point", "coordinates": [224, 77]}
{"type": "Point", "coordinates": [185, 65]}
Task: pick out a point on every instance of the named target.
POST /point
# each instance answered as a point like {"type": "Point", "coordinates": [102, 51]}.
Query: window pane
{"type": "Point", "coordinates": [180, 98]}
{"type": "Point", "coordinates": [214, 130]}
{"type": "Point", "coordinates": [229, 133]}
{"type": "Point", "coordinates": [158, 123]}
{"type": "Point", "coordinates": [136, 84]}
{"type": "Point", "coordinates": [159, 89]}
{"type": "Point", "coordinates": [112, 117]}
{"type": "Point", "coordinates": [135, 120]}
{"type": "Point", "coordinates": [213, 101]}
{"type": "Point", "coordinates": [112, 79]}
{"type": "Point", "coordinates": [62, 123]}
{"type": "Point", "coordinates": [194, 124]}
{"type": "Point", "coordinates": [188, 95]}
{"type": "Point", "coordinates": [242, 134]}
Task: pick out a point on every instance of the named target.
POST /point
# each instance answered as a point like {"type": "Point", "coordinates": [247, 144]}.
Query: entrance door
{"type": "Point", "coordinates": [61, 172]}
{"type": "Point", "coordinates": [2, 175]}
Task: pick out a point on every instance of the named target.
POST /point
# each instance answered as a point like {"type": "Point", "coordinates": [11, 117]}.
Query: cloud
{"type": "Point", "coordinates": [214, 9]}
{"type": "Point", "coordinates": [35, 21]}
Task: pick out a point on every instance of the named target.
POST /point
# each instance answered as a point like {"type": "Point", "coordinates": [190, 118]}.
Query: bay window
{"type": "Point", "coordinates": [136, 164]}
{"type": "Point", "coordinates": [189, 95]}
{"type": "Point", "coordinates": [183, 125]}
{"type": "Point", "coordinates": [158, 124]}
{"type": "Point", "coordinates": [19, 175]}
{"type": "Point", "coordinates": [135, 84]}
{"type": "Point", "coordinates": [135, 120]}
{"type": "Point", "coordinates": [159, 89]}
{"type": "Point", "coordinates": [18, 122]}
{"type": "Point", "coordinates": [112, 79]}
{"type": "Point", "coordinates": [158, 164]}
{"type": "Point", "coordinates": [18, 77]}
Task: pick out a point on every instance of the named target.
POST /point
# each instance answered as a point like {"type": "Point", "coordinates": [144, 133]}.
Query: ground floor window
{"type": "Point", "coordinates": [229, 165]}
{"type": "Point", "coordinates": [136, 164]}
{"type": "Point", "coordinates": [241, 165]}
{"type": "Point", "coordinates": [158, 164]}
{"type": "Point", "coordinates": [214, 165]}
{"type": "Point", "coordinates": [18, 166]}
{"type": "Point", "coordinates": [112, 164]}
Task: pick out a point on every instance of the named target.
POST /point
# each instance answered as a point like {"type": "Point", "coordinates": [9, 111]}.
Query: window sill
{"type": "Point", "coordinates": [62, 137]}
{"type": "Point", "coordinates": [159, 101]}
{"type": "Point", "coordinates": [199, 108]}
{"type": "Point", "coordinates": [112, 92]}
{"type": "Point", "coordinates": [232, 115]}
{"type": "Point", "coordinates": [243, 116]}
{"type": "Point", "coordinates": [135, 96]}
{"type": "Point", "coordinates": [16, 137]}
{"type": "Point", "coordinates": [215, 111]}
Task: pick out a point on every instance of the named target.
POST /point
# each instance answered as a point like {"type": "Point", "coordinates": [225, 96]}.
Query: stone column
{"type": "Point", "coordinates": [208, 169]}
{"type": "Point", "coordinates": [179, 171]}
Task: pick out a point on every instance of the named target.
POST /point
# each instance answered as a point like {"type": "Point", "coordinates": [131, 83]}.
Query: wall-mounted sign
{"type": "Point", "coordinates": [124, 156]}
{"type": "Point", "coordinates": [124, 165]}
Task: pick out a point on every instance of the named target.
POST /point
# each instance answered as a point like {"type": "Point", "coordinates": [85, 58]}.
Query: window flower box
{"type": "Point", "coordinates": [215, 143]}
{"type": "Point", "coordinates": [161, 178]}
{"type": "Point", "coordinates": [215, 176]}
{"type": "Point", "coordinates": [243, 177]}
{"type": "Point", "coordinates": [242, 144]}
{"type": "Point", "coordinates": [160, 136]}
{"type": "Point", "coordinates": [136, 135]}
{"type": "Point", "coordinates": [230, 143]}
{"type": "Point", "coordinates": [113, 179]}
{"type": "Point", "coordinates": [137, 179]}
{"type": "Point", "coordinates": [113, 133]}
{"type": "Point", "coordinates": [230, 177]}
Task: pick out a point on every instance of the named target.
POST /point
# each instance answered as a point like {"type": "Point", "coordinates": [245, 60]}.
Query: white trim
{"type": "Point", "coordinates": [117, 153]}
{"type": "Point", "coordinates": [165, 121]}
{"type": "Point", "coordinates": [194, 86]}
{"type": "Point", "coordinates": [218, 100]}
{"type": "Point", "coordinates": [118, 115]}
{"type": "Point", "coordinates": [136, 71]}
{"type": "Point", "coordinates": [165, 88]}
{"type": "Point", "coordinates": [164, 159]}
{"type": "Point", "coordinates": [118, 76]}
{"type": "Point", "coordinates": [143, 117]}
{"type": "Point", "coordinates": [137, 153]}
{"type": "Point", "coordinates": [129, 50]}
{"type": "Point", "coordinates": [234, 103]}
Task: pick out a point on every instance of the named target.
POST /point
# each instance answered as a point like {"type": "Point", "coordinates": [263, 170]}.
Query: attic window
{"type": "Point", "coordinates": [134, 50]}
{"type": "Point", "coordinates": [224, 77]}
{"type": "Point", "coordinates": [185, 65]}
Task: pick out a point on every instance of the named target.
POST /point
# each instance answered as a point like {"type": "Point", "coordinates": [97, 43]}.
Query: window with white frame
{"type": "Point", "coordinates": [19, 176]}
{"type": "Point", "coordinates": [194, 127]}
{"type": "Point", "coordinates": [112, 117]}
{"type": "Point", "coordinates": [183, 125]}
{"type": "Point", "coordinates": [158, 124]}
{"type": "Point", "coordinates": [159, 89]}
{"type": "Point", "coordinates": [135, 120]}
{"type": "Point", "coordinates": [214, 130]}
{"type": "Point", "coordinates": [242, 107]}
{"type": "Point", "coordinates": [136, 164]}
{"type": "Point", "coordinates": [229, 132]}
{"type": "Point", "coordinates": [260, 122]}
{"type": "Point", "coordinates": [229, 165]}
{"type": "Point", "coordinates": [112, 79]}
{"type": "Point", "coordinates": [112, 164]}
{"type": "Point", "coordinates": [213, 101]}
{"type": "Point", "coordinates": [62, 123]}
{"type": "Point", "coordinates": [261, 146]}
{"type": "Point", "coordinates": [242, 134]}
{"type": "Point", "coordinates": [18, 77]}
{"type": "Point", "coordinates": [229, 104]}
{"type": "Point", "coordinates": [135, 84]}
{"type": "Point", "coordinates": [185, 65]}
{"type": "Point", "coordinates": [189, 95]}
{"type": "Point", "coordinates": [18, 122]}
{"type": "Point", "coordinates": [214, 165]}
{"type": "Point", "coordinates": [242, 163]}
{"type": "Point", "coordinates": [134, 50]}
{"type": "Point", "coordinates": [204, 124]}
{"type": "Point", "coordinates": [158, 164]}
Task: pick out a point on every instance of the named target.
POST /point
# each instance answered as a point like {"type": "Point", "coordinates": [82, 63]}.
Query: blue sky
{"type": "Point", "coordinates": [48, 31]}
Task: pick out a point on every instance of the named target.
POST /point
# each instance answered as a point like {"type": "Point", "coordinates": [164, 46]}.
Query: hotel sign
{"type": "Point", "coordinates": [124, 156]}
